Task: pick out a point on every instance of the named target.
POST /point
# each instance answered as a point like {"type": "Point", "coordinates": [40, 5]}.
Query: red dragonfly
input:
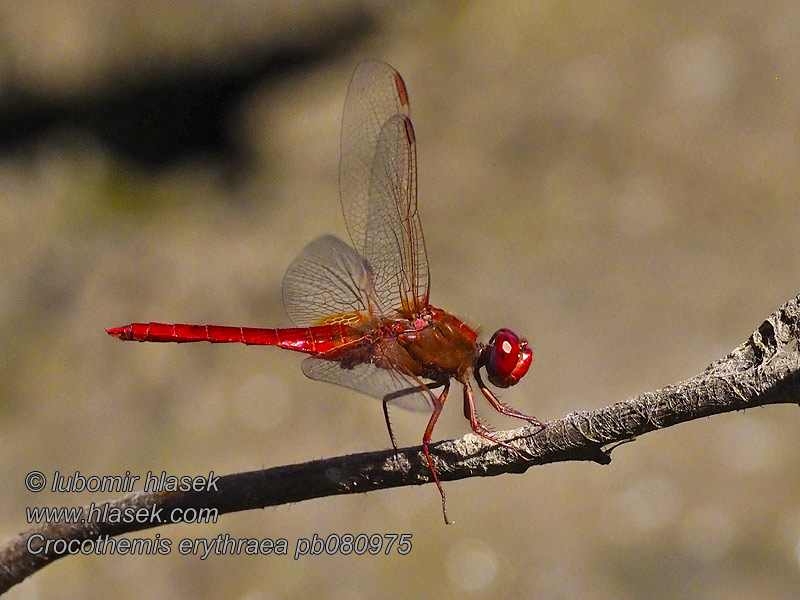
{"type": "Point", "coordinates": [362, 311]}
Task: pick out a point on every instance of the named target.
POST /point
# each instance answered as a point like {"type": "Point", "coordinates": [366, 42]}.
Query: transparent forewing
{"type": "Point", "coordinates": [394, 246]}
{"type": "Point", "coordinates": [372, 380]}
{"type": "Point", "coordinates": [376, 94]}
{"type": "Point", "coordinates": [378, 185]}
{"type": "Point", "coordinates": [328, 282]}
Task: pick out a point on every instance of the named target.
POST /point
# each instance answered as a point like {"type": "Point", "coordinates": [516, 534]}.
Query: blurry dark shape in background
{"type": "Point", "coordinates": [170, 116]}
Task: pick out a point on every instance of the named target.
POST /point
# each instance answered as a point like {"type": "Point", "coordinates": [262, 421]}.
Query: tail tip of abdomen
{"type": "Point", "coordinates": [122, 333]}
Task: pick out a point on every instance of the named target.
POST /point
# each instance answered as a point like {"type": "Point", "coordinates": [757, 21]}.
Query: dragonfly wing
{"type": "Point", "coordinates": [378, 187]}
{"type": "Point", "coordinates": [328, 282]}
{"type": "Point", "coordinates": [395, 247]}
{"type": "Point", "coordinates": [372, 380]}
{"type": "Point", "coordinates": [376, 94]}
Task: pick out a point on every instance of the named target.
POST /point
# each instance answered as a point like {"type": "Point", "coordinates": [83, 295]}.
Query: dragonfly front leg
{"type": "Point", "coordinates": [438, 405]}
{"type": "Point", "coordinates": [477, 427]}
{"type": "Point", "coordinates": [503, 408]}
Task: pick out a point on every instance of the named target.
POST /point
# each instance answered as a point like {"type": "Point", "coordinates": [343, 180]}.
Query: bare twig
{"type": "Point", "coordinates": [765, 369]}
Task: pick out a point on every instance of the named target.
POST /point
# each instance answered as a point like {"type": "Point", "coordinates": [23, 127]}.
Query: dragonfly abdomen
{"type": "Point", "coordinates": [311, 340]}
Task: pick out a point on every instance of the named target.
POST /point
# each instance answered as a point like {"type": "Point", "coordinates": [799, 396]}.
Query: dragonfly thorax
{"type": "Point", "coordinates": [444, 347]}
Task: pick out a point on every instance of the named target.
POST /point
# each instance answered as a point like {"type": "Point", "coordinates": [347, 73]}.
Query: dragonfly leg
{"type": "Point", "coordinates": [386, 401]}
{"type": "Point", "coordinates": [426, 439]}
{"type": "Point", "coordinates": [399, 394]}
{"type": "Point", "coordinates": [503, 408]}
{"type": "Point", "coordinates": [477, 427]}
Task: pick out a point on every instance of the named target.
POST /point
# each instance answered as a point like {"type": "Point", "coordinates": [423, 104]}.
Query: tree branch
{"type": "Point", "coordinates": [765, 369]}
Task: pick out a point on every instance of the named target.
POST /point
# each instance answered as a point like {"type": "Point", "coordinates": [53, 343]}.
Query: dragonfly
{"type": "Point", "coordinates": [361, 310]}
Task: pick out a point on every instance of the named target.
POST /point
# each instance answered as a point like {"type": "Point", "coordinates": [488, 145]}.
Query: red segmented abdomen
{"type": "Point", "coordinates": [311, 340]}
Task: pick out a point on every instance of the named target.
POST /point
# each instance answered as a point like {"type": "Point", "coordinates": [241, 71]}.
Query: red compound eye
{"type": "Point", "coordinates": [509, 358]}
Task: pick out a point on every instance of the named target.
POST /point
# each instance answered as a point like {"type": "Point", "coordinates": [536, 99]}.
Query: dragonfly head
{"type": "Point", "coordinates": [507, 358]}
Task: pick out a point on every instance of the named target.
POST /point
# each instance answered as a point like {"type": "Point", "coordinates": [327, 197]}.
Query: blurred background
{"type": "Point", "coordinates": [616, 181]}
